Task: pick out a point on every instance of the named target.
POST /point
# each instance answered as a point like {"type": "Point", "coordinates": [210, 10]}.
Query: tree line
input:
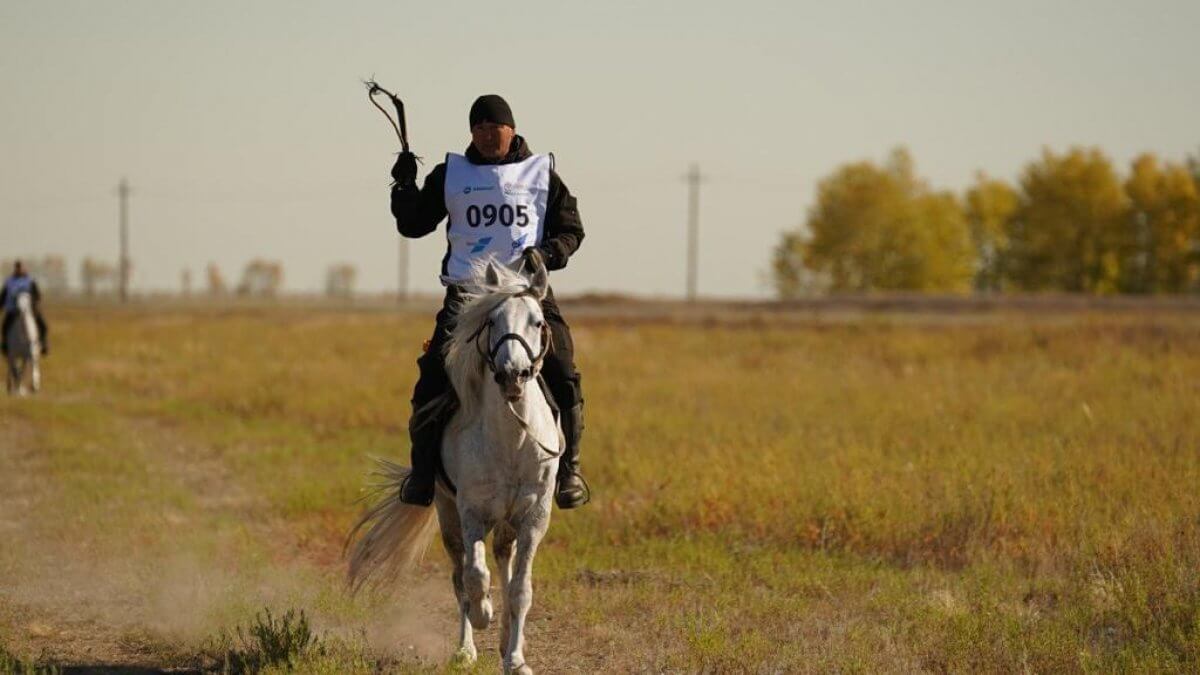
{"type": "Point", "coordinates": [1070, 223]}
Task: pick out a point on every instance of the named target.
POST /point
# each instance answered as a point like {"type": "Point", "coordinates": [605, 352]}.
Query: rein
{"type": "Point", "coordinates": [550, 454]}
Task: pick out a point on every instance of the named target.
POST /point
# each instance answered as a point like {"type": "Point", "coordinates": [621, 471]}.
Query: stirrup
{"type": "Point", "coordinates": [558, 494]}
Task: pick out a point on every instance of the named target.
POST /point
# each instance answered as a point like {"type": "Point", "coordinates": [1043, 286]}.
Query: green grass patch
{"type": "Point", "coordinates": [923, 495]}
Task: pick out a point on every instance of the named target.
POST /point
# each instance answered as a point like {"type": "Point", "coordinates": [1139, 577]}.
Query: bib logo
{"type": "Point", "coordinates": [479, 246]}
{"type": "Point", "coordinates": [519, 244]}
{"type": "Point", "coordinates": [516, 189]}
{"type": "Point", "coordinates": [477, 188]}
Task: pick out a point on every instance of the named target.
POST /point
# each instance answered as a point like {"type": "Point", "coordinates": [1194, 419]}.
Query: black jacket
{"type": "Point", "coordinates": [418, 211]}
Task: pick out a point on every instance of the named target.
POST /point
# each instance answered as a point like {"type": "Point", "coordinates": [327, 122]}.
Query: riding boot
{"type": "Point", "coordinates": [572, 490]}
{"type": "Point", "coordinates": [9, 317]}
{"type": "Point", "coordinates": [43, 333]}
{"type": "Point", "coordinates": [425, 432]}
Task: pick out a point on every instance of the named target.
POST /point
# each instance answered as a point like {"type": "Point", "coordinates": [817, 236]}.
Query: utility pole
{"type": "Point", "coordinates": [693, 179]}
{"type": "Point", "coordinates": [402, 288]}
{"type": "Point", "coordinates": [123, 192]}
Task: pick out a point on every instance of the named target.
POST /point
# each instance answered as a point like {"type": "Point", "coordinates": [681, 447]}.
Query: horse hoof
{"type": "Point", "coordinates": [522, 669]}
{"type": "Point", "coordinates": [481, 615]}
{"type": "Point", "coordinates": [465, 656]}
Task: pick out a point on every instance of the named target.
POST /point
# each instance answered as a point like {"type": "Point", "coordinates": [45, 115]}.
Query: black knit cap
{"type": "Point", "coordinates": [491, 108]}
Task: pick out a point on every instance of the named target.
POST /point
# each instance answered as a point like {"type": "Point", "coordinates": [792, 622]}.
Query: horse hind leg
{"type": "Point", "coordinates": [453, 543]}
{"type": "Point", "coordinates": [502, 548]}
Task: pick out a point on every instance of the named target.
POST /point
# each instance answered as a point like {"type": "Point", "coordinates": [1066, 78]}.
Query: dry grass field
{"type": "Point", "coordinates": [995, 492]}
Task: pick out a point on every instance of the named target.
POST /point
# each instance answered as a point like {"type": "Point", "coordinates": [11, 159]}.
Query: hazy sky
{"type": "Point", "coordinates": [245, 132]}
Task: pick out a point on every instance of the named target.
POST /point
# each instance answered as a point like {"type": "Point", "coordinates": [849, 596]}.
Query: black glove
{"type": "Point", "coordinates": [404, 172]}
{"type": "Point", "coordinates": [533, 258]}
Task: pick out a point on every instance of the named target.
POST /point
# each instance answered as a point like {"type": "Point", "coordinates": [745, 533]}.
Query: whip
{"type": "Point", "coordinates": [399, 124]}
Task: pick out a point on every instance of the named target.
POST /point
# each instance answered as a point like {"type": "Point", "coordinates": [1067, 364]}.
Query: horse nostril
{"type": "Point", "coordinates": [526, 374]}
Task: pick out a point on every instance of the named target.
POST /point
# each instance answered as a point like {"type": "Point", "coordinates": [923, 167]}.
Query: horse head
{"type": "Point", "coordinates": [517, 337]}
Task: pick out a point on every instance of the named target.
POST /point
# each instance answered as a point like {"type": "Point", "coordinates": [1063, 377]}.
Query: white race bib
{"type": "Point", "coordinates": [496, 210]}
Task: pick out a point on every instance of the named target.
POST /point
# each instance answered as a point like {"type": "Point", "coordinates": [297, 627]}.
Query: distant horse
{"type": "Point", "coordinates": [24, 348]}
{"type": "Point", "coordinates": [500, 453]}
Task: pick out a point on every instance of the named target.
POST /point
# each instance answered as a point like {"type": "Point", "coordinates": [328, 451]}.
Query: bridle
{"type": "Point", "coordinates": [489, 357]}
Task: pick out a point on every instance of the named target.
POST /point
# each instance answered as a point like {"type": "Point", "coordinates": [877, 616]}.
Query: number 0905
{"type": "Point", "coordinates": [506, 214]}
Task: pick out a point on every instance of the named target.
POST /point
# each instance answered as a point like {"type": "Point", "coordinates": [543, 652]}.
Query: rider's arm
{"type": "Point", "coordinates": [419, 210]}
{"type": "Point", "coordinates": [564, 229]}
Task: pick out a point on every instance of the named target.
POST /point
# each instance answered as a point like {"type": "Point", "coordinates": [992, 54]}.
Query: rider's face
{"type": "Point", "coordinates": [492, 140]}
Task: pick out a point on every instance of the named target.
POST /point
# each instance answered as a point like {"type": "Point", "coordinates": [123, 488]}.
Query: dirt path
{"type": "Point", "coordinates": [79, 588]}
{"type": "Point", "coordinates": [45, 616]}
{"type": "Point", "coordinates": [142, 580]}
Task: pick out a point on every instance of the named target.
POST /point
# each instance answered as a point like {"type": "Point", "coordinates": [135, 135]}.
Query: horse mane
{"type": "Point", "coordinates": [464, 364]}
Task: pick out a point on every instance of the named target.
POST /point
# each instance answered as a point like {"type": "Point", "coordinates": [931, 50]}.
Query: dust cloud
{"type": "Point", "coordinates": [77, 587]}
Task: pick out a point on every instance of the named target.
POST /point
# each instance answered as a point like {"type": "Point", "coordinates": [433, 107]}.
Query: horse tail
{"type": "Point", "coordinates": [396, 534]}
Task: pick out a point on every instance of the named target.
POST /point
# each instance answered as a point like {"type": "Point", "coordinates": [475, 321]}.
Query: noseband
{"type": "Point", "coordinates": [489, 356]}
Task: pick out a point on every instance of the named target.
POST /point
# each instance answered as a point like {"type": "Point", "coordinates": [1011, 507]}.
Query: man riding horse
{"type": "Point", "coordinates": [14, 286]}
{"type": "Point", "coordinates": [506, 203]}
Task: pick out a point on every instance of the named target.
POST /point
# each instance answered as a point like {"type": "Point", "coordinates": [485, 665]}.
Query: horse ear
{"type": "Point", "coordinates": [492, 276]}
{"type": "Point", "coordinates": [539, 283]}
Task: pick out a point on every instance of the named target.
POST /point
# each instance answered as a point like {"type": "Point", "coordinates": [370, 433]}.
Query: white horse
{"type": "Point", "coordinates": [500, 452]}
{"type": "Point", "coordinates": [24, 348]}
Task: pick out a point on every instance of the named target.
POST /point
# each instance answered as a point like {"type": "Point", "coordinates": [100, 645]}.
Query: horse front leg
{"type": "Point", "coordinates": [476, 578]}
{"type": "Point", "coordinates": [18, 376]}
{"type": "Point", "coordinates": [35, 374]}
{"type": "Point", "coordinates": [520, 590]}
{"type": "Point", "coordinates": [502, 548]}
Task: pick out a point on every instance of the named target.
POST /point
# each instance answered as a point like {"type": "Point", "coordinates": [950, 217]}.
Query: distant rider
{"type": "Point", "coordinates": [506, 202]}
{"type": "Point", "coordinates": [19, 283]}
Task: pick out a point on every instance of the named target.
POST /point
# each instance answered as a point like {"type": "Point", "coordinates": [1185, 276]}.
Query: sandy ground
{"type": "Point", "coordinates": [45, 616]}
{"type": "Point", "coordinates": [66, 603]}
